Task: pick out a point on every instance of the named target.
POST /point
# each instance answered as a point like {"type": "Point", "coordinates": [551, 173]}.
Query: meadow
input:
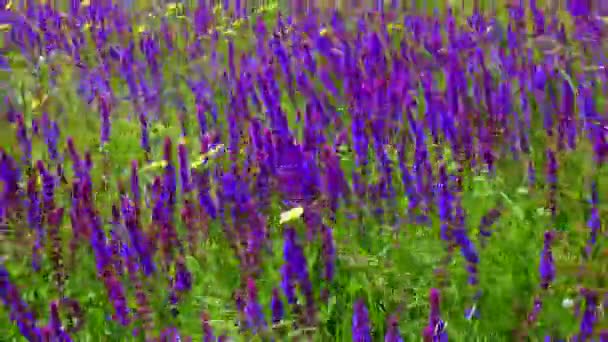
{"type": "Point", "coordinates": [194, 174]}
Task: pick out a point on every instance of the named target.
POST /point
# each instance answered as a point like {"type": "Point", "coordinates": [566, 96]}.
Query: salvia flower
{"type": "Point", "coordinates": [207, 330]}
{"type": "Point", "coordinates": [546, 266]}
{"type": "Point", "coordinates": [253, 310]}
{"type": "Point", "coordinates": [590, 315]}
{"type": "Point", "coordinates": [361, 324]}
{"type": "Point", "coordinates": [276, 306]}
{"type": "Point", "coordinates": [329, 252]}
{"type": "Point", "coordinates": [594, 222]}
{"type": "Point", "coordinates": [436, 324]}
{"type": "Point", "coordinates": [18, 310]}
{"type": "Point", "coordinates": [169, 182]}
{"type": "Point", "coordinates": [25, 142]}
{"type": "Point", "coordinates": [34, 217]}
{"type": "Point", "coordinates": [392, 333]}
{"type": "Point", "coordinates": [104, 108]}
{"type": "Point", "coordinates": [58, 331]}
{"type": "Point", "coordinates": [184, 167]}
{"type": "Point", "coordinates": [552, 182]}
{"type": "Point", "coordinates": [296, 269]}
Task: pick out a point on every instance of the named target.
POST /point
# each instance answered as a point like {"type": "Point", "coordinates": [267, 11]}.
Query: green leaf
{"type": "Point", "coordinates": [192, 264]}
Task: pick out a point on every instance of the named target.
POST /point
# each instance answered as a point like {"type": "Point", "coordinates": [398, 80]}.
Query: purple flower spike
{"type": "Point", "coordinates": [207, 330]}
{"type": "Point", "coordinates": [546, 266]}
{"type": "Point", "coordinates": [145, 134]}
{"type": "Point", "coordinates": [169, 181]}
{"type": "Point", "coordinates": [276, 306]}
{"type": "Point", "coordinates": [594, 222]}
{"type": "Point", "coordinates": [104, 108]}
{"type": "Point", "coordinates": [435, 323]}
{"type": "Point", "coordinates": [295, 270]}
{"type": "Point", "coordinates": [392, 333]}
{"type": "Point", "coordinates": [329, 253]}
{"type": "Point", "coordinates": [253, 309]}
{"type": "Point", "coordinates": [183, 277]}
{"type": "Point", "coordinates": [34, 217]}
{"type": "Point", "coordinates": [590, 315]}
{"type": "Point", "coordinates": [184, 167]}
{"type": "Point", "coordinates": [59, 334]}
{"type": "Point", "coordinates": [361, 324]}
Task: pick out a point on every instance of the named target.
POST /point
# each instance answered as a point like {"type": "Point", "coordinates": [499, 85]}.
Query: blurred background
{"type": "Point", "coordinates": [299, 7]}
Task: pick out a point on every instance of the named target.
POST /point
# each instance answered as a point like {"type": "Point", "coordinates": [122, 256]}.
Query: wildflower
{"type": "Point", "coordinates": [54, 221]}
{"type": "Point", "coordinates": [50, 131]}
{"type": "Point", "coordinates": [546, 265]}
{"type": "Point", "coordinates": [169, 183]}
{"type": "Point", "coordinates": [253, 310]}
{"type": "Point", "coordinates": [135, 191]}
{"type": "Point", "coordinates": [329, 252]}
{"type": "Point", "coordinates": [207, 330]}
{"type": "Point", "coordinates": [552, 181]}
{"type": "Point", "coordinates": [183, 277]}
{"type": "Point", "coordinates": [25, 142]}
{"type": "Point", "coordinates": [104, 106]}
{"type": "Point", "coordinates": [58, 330]}
{"type": "Point", "coordinates": [392, 333]}
{"type": "Point", "coordinates": [590, 315]}
{"type": "Point", "coordinates": [34, 217]}
{"type": "Point", "coordinates": [145, 134]}
{"type": "Point", "coordinates": [298, 269]}
{"type": "Point", "coordinates": [436, 325]}
{"type": "Point", "coordinates": [361, 324]}
{"type": "Point", "coordinates": [276, 306]}
{"type": "Point", "coordinates": [184, 170]}
{"type": "Point", "coordinates": [139, 242]}
{"type": "Point", "coordinates": [18, 309]}
{"type": "Point", "coordinates": [594, 222]}
{"type": "Point", "coordinates": [488, 220]}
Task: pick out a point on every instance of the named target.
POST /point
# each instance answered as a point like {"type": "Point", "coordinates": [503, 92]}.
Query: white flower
{"type": "Point", "coordinates": [291, 214]}
{"type": "Point", "coordinates": [567, 303]}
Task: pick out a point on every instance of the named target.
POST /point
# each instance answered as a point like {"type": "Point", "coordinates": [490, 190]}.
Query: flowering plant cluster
{"type": "Point", "coordinates": [185, 175]}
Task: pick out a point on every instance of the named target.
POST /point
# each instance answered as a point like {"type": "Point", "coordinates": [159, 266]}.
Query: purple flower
{"type": "Point", "coordinates": [207, 330]}
{"type": "Point", "coordinates": [139, 243]}
{"type": "Point", "coordinates": [445, 203]}
{"type": "Point", "coordinates": [392, 333]}
{"type": "Point", "coordinates": [48, 187]}
{"type": "Point", "coordinates": [145, 134]}
{"type": "Point", "coordinates": [253, 310]}
{"type": "Point", "coordinates": [552, 181]}
{"type": "Point", "coordinates": [25, 142]}
{"type": "Point", "coordinates": [296, 268]}
{"type": "Point", "coordinates": [104, 108]}
{"type": "Point", "coordinates": [594, 222]}
{"type": "Point", "coordinates": [288, 283]}
{"type": "Point", "coordinates": [276, 306]}
{"type": "Point", "coordinates": [18, 310]}
{"type": "Point", "coordinates": [546, 266]}
{"type": "Point", "coordinates": [183, 277]}
{"type": "Point", "coordinates": [436, 324]}
{"type": "Point", "coordinates": [361, 324]}
{"type": "Point", "coordinates": [329, 252]}
{"type": "Point", "coordinates": [290, 170]}
{"type": "Point", "coordinates": [169, 182]}
{"type": "Point", "coordinates": [487, 221]}
{"type": "Point", "coordinates": [50, 131]}
{"type": "Point", "coordinates": [34, 216]}
{"type": "Point", "coordinates": [135, 191]}
{"type": "Point", "coordinates": [58, 332]}
{"type": "Point", "coordinates": [184, 167]}
{"type": "Point", "coordinates": [590, 315]}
